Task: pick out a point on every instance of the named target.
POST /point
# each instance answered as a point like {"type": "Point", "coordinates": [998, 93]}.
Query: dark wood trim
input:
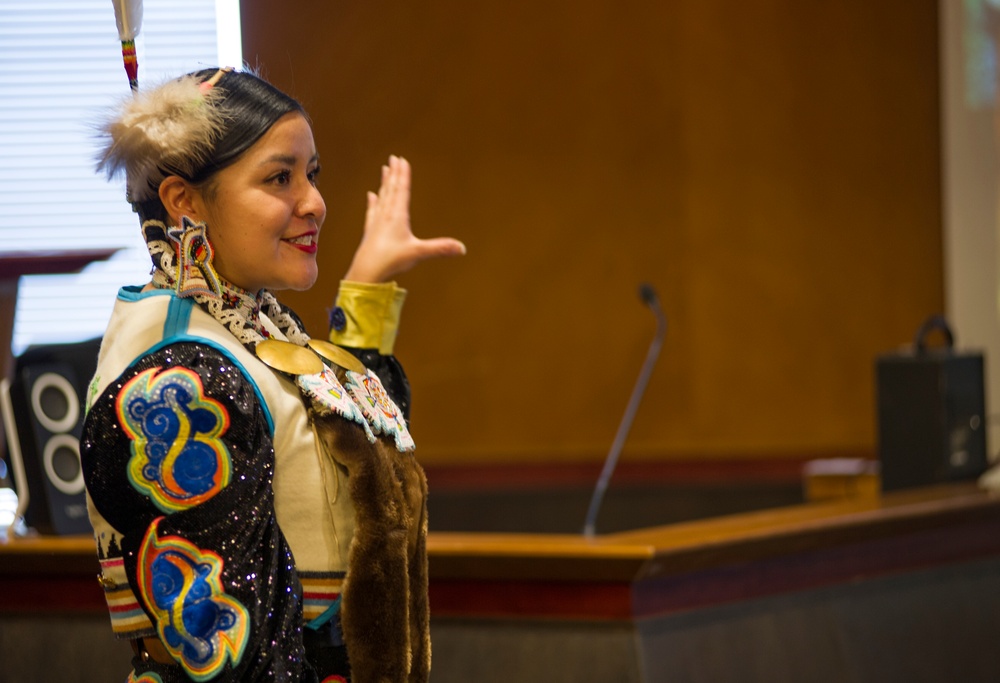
{"type": "Point", "coordinates": [14, 264]}
{"type": "Point", "coordinates": [816, 569]}
{"type": "Point", "coordinates": [51, 594]}
{"type": "Point", "coordinates": [531, 600]}
{"type": "Point", "coordinates": [768, 469]}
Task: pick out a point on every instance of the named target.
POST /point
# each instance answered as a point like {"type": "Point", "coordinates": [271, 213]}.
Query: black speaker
{"type": "Point", "coordinates": [931, 413]}
{"type": "Point", "coordinates": [45, 403]}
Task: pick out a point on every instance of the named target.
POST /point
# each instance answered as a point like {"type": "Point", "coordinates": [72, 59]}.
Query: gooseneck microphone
{"type": "Point", "coordinates": [649, 297]}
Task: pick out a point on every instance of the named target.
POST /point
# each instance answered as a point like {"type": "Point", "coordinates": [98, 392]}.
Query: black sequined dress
{"type": "Point", "coordinates": [203, 476]}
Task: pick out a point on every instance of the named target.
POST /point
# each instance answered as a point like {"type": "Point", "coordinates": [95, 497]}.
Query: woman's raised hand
{"type": "Point", "coordinates": [388, 246]}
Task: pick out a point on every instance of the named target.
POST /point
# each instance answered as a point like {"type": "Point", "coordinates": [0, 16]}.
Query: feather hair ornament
{"type": "Point", "coordinates": [169, 130]}
{"type": "Point", "coordinates": [128, 16]}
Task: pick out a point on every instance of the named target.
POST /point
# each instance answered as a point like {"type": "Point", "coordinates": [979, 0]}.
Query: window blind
{"type": "Point", "coordinates": [60, 72]}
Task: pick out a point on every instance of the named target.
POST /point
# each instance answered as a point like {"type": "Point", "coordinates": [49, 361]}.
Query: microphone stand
{"type": "Point", "coordinates": [649, 297]}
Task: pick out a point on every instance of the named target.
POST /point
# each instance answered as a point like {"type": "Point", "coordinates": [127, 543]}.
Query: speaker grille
{"type": "Point", "coordinates": [54, 402]}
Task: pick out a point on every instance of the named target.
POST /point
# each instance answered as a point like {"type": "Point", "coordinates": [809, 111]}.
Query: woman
{"type": "Point", "coordinates": [257, 512]}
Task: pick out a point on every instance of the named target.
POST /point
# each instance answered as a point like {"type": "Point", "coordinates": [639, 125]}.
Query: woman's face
{"type": "Point", "coordinates": [264, 212]}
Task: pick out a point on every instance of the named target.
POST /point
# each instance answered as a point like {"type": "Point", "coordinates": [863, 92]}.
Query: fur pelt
{"type": "Point", "coordinates": [384, 608]}
{"type": "Point", "coordinates": [167, 129]}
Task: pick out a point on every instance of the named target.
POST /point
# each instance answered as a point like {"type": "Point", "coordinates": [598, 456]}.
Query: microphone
{"type": "Point", "coordinates": [649, 297]}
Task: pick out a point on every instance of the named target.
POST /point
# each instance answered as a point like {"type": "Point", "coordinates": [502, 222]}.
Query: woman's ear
{"type": "Point", "coordinates": [180, 198]}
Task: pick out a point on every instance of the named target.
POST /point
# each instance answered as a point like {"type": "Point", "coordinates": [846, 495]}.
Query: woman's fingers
{"type": "Point", "coordinates": [388, 246]}
{"type": "Point", "coordinates": [395, 175]}
{"type": "Point", "coordinates": [389, 209]}
{"type": "Point", "coordinates": [436, 247]}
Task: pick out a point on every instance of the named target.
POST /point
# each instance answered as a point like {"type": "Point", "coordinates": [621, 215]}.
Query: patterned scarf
{"type": "Point", "coordinates": [237, 309]}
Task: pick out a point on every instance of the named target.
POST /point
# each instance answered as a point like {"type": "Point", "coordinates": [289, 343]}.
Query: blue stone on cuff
{"type": "Point", "coordinates": [338, 319]}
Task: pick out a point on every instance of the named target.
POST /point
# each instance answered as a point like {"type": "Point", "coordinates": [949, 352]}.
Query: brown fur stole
{"type": "Point", "coordinates": [384, 610]}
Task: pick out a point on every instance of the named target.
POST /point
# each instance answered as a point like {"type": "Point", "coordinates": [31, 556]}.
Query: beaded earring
{"type": "Point", "coordinates": [195, 273]}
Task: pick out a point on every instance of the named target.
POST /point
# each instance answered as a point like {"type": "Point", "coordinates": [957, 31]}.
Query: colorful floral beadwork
{"type": "Point", "coordinates": [178, 459]}
{"type": "Point", "coordinates": [378, 409]}
{"type": "Point", "coordinates": [148, 677]}
{"type": "Point", "coordinates": [200, 625]}
{"type": "Point", "coordinates": [329, 397]}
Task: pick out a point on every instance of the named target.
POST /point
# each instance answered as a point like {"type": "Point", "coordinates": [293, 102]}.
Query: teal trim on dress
{"type": "Point", "coordinates": [326, 616]}
{"type": "Point", "coordinates": [175, 330]}
{"type": "Point", "coordinates": [178, 317]}
{"type": "Point", "coordinates": [135, 293]}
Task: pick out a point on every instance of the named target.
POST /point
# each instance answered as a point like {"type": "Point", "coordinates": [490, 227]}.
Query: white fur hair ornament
{"type": "Point", "coordinates": [164, 131]}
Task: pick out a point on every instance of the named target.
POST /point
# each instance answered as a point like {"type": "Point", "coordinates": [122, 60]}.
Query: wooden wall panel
{"type": "Point", "coordinates": [771, 167]}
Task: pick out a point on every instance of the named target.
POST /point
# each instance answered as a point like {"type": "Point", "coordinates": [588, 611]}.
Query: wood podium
{"type": "Point", "coordinates": [903, 586]}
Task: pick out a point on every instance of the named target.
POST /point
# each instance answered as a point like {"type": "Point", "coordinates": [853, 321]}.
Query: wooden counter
{"type": "Point", "coordinates": [816, 544]}
{"type": "Point", "coordinates": [821, 578]}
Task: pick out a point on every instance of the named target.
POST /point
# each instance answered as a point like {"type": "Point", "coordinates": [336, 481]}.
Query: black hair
{"type": "Point", "coordinates": [250, 106]}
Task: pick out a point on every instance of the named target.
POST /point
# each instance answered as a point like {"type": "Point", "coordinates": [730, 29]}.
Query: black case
{"type": "Point", "coordinates": [931, 413]}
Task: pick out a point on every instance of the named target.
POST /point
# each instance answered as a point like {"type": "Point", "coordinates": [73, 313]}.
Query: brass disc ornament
{"type": "Point", "coordinates": [338, 355]}
{"type": "Point", "coordinates": [288, 357]}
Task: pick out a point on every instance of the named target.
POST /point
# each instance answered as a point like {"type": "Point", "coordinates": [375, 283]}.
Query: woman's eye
{"type": "Point", "coordinates": [281, 178]}
{"type": "Point", "coordinates": [314, 175]}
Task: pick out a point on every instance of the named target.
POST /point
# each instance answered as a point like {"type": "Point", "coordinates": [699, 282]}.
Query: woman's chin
{"type": "Point", "coordinates": [298, 285]}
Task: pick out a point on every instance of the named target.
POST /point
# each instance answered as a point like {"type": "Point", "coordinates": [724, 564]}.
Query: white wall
{"type": "Point", "coordinates": [970, 132]}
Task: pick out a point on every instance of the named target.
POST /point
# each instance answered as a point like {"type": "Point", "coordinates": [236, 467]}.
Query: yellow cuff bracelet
{"type": "Point", "coordinates": [370, 315]}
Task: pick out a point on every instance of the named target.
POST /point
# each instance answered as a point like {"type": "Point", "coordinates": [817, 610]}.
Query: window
{"type": "Point", "coordinates": [60, 71]}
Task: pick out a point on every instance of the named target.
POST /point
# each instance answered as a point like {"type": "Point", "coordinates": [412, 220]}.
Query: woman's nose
{"type": "Point", "coordinates": [311, 202]}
